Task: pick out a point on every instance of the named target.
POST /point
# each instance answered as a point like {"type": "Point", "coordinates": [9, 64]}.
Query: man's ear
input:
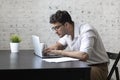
{"type": "Point", "coordinates": [66, 24]}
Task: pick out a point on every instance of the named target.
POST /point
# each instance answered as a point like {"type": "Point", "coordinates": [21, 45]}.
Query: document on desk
{"type": "Point", "coordinates": [61, 59]}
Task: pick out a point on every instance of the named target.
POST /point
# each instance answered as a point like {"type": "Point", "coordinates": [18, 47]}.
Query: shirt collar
{"type": "Point", "coordinates": [76, 30]}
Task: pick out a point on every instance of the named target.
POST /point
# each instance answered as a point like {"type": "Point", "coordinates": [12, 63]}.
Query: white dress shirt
{"type": "Point", "coordinates": [86, 39]}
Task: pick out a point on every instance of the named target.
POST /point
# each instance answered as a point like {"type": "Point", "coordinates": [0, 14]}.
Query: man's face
{"type": "Point", "coordinates": [59, 29]}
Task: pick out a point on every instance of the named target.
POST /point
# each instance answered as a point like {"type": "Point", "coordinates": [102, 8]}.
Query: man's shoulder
{"type": "Point", "coordinates": [86, 27]}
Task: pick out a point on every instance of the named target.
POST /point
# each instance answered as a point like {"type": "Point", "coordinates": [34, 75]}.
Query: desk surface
{"type": "Point", "coordinates": [34, 68]}
{"type": "Point", "coordinates": [25, 59]}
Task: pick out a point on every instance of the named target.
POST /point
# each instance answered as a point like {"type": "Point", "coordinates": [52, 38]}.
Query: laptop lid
{"type": "Point", "coordinates": [37, 45]}
{"type": "Point", "coordinates": [38, 48]}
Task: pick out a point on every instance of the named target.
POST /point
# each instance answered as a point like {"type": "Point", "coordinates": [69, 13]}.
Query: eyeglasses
{"type": "Point", "coordinates": [56, 27]}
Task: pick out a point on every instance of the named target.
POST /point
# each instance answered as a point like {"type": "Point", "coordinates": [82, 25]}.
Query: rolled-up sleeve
{"type": "Point", "coordinates": [87, 44]}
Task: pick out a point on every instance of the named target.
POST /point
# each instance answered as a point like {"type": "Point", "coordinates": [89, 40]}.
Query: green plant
{"type": "Point", "coordinates": [15, 38]}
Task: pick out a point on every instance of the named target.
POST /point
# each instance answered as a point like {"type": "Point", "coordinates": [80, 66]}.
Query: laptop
{"type": "Point", "coordinates": [38, 48]}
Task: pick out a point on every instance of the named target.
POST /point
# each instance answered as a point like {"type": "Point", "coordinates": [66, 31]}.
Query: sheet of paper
{"type": "Point", "coordinates": [61, 59]}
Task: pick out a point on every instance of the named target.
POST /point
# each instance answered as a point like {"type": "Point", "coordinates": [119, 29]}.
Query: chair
{"type": "Point", "coordinates": [115, 57]}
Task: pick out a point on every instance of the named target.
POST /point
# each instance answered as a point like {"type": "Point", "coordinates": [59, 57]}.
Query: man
{"type": "Point", "coordinates": [84, 43]}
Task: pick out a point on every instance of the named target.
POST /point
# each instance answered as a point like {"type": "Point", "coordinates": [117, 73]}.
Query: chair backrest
{"type": "Point", "coordinates": [116, 57]}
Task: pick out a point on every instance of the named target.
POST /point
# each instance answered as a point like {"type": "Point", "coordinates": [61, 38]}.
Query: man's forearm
{"type": "Point", "coordinates": [75, 54]}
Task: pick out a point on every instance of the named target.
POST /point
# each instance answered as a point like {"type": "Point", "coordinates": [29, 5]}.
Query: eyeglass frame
{"type": "Point", "coordinates": [56, 27]}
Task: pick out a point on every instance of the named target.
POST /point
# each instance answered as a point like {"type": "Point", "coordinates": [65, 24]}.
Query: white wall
{"type": "Point", "coordinates": [27, 17]}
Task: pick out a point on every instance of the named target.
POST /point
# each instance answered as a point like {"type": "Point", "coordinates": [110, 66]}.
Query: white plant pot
{"type": "Point", "coordinates": [14, 47]}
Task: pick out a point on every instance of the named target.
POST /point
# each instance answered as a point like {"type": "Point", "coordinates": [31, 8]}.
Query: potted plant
{"type": "Point", "coordinates": [14, 43]}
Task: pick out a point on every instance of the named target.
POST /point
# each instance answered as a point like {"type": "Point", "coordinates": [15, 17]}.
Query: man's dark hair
{"type": "Point", "coordinates": [61, 17]}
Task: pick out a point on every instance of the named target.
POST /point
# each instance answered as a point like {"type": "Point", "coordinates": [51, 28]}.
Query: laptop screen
{"type": "Point", "coordinates": [37, 45]}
